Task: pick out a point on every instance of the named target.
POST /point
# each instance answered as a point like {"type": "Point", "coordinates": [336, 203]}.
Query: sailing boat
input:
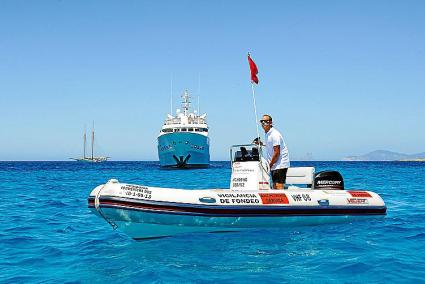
{"type": "Point", "coordinates": [92, 158]}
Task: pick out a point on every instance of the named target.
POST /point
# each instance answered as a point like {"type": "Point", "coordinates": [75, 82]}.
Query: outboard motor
{"type": "Point", "coordinates": [328, 180]}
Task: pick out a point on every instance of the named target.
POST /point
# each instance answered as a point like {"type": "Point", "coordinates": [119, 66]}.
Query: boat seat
{"type": "Point", "coordinates": [300, 175]}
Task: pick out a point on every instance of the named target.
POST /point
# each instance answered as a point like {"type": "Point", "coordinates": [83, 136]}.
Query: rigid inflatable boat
{"type": "Point", "coordinates": [310, 198]}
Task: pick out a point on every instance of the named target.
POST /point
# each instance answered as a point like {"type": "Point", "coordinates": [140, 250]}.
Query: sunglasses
{"type": "Point", "coordinates": [265, 122]}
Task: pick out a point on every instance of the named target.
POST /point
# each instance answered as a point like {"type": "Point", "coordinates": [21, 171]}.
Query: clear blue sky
{"type": "Point", "coordinates": [339, 77]}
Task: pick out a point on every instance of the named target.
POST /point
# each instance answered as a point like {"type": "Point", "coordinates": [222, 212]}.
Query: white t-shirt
{"type": "Point", "coordinates": [274, 138]}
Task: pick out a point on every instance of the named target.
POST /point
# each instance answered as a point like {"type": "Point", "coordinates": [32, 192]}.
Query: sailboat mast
{"type": "Point", "coordinates": [85, 139]}
{"type": "Point", "coordinates": [92, 141]}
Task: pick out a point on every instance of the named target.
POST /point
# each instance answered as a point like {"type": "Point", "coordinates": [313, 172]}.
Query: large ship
{"type": "Point", "coordinates": [183, 141]}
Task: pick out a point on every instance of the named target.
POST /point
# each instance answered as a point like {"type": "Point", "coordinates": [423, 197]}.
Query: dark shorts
{"type": "Point", "coordinates": [279, 175]}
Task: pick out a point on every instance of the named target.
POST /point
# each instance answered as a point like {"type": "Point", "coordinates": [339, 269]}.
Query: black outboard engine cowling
{"type": "Point", "coordinates": [328, 180]}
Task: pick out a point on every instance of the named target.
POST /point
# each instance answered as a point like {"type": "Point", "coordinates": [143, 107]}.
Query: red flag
{"type": "Point", "coordinates": [254, 70]}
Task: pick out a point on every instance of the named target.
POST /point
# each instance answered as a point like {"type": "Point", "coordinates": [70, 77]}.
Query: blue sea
{"type": "Point", "coordinates": [47, 233]}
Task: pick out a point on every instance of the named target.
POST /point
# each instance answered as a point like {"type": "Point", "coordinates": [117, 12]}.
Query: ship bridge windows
{"type": "Point", "coordinates": [190, 129]}
{"type": "Point", "coordinates": [201, 129]}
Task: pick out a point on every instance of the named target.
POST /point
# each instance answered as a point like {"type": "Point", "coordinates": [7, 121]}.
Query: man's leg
{"type": "Point", "coordinates": [279, 178]}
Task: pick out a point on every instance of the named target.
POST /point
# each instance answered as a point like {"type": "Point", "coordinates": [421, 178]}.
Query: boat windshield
{"type": "Point", "coordinates": [244, 153]}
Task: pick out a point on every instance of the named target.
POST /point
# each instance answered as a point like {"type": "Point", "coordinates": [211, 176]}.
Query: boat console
{"type": "Point", "coordinates": [250, 170]}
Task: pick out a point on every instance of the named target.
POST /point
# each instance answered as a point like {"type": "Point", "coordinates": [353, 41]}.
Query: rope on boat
{"type": "Point", "coordinates": [97, 206]}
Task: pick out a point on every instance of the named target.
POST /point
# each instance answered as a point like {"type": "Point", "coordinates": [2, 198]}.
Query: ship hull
{"type": "Point", "coordinates": [183, 150]}
{"type": "Point", "coordinates": [89, 160]}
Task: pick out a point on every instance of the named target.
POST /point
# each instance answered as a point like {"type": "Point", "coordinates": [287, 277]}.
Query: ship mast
{"type": "Point", "coordinates": [186, 102]}
{"type": "Point", "coordinates": [85, 139]}
{"type": "Point", "coordinates": [92, 141]}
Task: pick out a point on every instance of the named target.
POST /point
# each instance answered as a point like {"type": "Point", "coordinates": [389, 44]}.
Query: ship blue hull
{"type": "Point", "coordinates": [183, 150]}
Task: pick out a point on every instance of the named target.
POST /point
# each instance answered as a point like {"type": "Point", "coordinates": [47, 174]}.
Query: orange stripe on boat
{"type": "Point", "coordinates": [274, 198]}
{"type": "Point", "coordinates": [359, 193]}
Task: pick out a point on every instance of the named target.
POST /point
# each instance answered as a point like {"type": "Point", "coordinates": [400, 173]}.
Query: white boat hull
{"type": "Point", "coordinates": [149, 212]}
{"type": "Point", "coordinates": [145, 225]}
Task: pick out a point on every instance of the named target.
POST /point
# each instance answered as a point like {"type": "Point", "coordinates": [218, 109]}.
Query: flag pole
{"type": "Point", "coordinates": [255, 111]}
{"type": "Point", "coordinates": [254, 71]}
{"type": "Point", "coordinates": [254, 79]}
{"type": "Point", "coordinates": [260, 148]}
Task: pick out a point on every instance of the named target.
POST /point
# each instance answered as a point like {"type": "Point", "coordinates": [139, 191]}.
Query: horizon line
{"type": "Point", "coordinates": [156, 161]}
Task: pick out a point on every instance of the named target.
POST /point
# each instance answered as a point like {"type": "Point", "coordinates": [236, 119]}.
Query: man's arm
{"type": "Point", "coordinates": [276, 154]}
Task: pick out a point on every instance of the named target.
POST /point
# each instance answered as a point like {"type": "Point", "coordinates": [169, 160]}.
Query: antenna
{"type": "Point", "coordinates": [199, 89]}
{"type": "Point", "coordinates": [171, 96]}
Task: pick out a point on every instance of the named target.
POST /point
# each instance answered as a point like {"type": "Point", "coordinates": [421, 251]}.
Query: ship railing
{"type": "Point", "coordinates": [190, 121]}
{"type": "Point", "coordinates": [172, 121]}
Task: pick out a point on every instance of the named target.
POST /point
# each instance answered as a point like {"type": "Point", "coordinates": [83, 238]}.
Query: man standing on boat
{"type": "Point", "coordinates": [277, 153]}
